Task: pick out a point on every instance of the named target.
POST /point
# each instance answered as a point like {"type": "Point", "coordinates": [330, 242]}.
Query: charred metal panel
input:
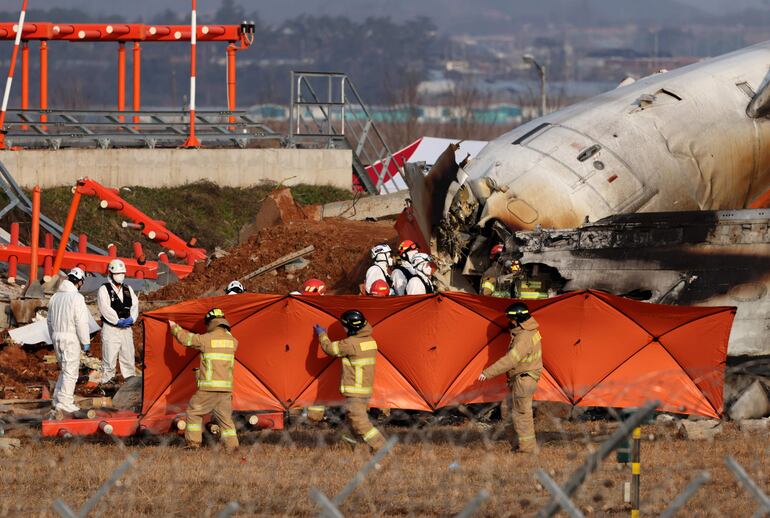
{"type": "Point", "coordinates": [690, 258]}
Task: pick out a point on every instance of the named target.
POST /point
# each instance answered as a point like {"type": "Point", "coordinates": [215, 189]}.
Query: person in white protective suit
{"type": "Point", "coordinates": [235, 288]}
{"type": "Point", "coordinates": [119, 308]}
{"type": "Point", "coordinates": [68, 319]}
{"type": "Point", "coordinates": [404, 270]}
{"type": "Point", "coordinates": [380, 269]}
{"type": "Point", "coordinates": [420, 283]}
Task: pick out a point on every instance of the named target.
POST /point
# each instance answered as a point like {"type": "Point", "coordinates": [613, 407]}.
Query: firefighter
{"type": "Point", "coordinates": [358, 352]}
{"type": "Point", "coordinates": [523, 364]}
{"type": "Point", "coordinates": [379, 271]}
{"type": "Point", "coordinates": [119, 308]}
{"type": "Point", "coordinates": [404, 270]}
{"type": "Point", "coordinates": [235, 288]}
{"type": "Point", "coordinates": [214, 378]}
{"type": "Point", "coordinates": [68, 319]}
{"type": "Point", "coordinates": [503, 278]}
{"type": "Point", "coordinates": [420, 283]}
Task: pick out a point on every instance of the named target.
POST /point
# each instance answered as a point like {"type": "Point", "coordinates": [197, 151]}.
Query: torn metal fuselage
{"type": "Point", "coordinates": [687, 140]}
{"type": "Point", "coordinates": [705, 258]}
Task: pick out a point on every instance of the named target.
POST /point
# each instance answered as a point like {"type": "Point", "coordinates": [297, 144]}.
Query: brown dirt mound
{"type": "Point", "coordinates": [340, 259]}
{"type": "Point", "coordinates": [19, 369]}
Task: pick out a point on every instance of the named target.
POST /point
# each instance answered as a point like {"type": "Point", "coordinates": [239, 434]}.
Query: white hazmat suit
{"type": "Point", "coordinates": [420, 283]}
{"type": "Point", "coordinates": [117, 342]}
{"type": "Point", "coordinates": [68, 319]}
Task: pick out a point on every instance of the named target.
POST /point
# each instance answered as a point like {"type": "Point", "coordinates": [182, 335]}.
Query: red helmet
{"type": "Point", "coordinates": [496, 251]}
{"type": "Point", "coordinates": [406, 246]}
{"type": "Point", "coordinates": [314, 287]}
{"type": "Point", "coordinates": [379, 288]}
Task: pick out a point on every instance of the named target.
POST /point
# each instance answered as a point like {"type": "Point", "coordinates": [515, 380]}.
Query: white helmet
{"type": "Point", "coordinates": [422, 263]}
{"type": "Point", "coordinates": [117, 266]}
{"type": "Point", "coordinates": [234, 288]}
{"type": "Point", "coordinates": [76, 275]}
{"type": "Point", "coordinates": [382, 253]}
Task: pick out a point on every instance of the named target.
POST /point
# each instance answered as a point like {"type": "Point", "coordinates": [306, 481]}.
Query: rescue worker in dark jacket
{"type": "Point", "coordinates": [523, 364]}
{"type": "Point", "coordinates": [358, 352]}
{"type": "Point", "coordinates": [214, 378]}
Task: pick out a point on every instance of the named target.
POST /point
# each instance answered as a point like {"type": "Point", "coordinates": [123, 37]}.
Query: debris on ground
{"type": "Point", "coordinates": [753, 403]}
{"type": "Point", "coordinates": [340, 259]}
{"type": "Point", "coordinates": [129, 395]}
{"type": "Point", "coordinates": [705, 430]}
{"type": "Point", "coordinates": [279, 208]}
{"type": "Point", "coordinates": [755, 425]}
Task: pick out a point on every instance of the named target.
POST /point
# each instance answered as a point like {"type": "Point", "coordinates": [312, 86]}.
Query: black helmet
{"type": "Point", "coordinates": [353, 320]}
{"type": "Point", "coordinates": [518, 311]}
{"type": "Point", "coordinates": [215, 318]}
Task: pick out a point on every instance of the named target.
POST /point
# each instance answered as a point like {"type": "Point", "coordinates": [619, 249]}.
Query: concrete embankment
{"type": "Point", "coordinates": [173, 167]}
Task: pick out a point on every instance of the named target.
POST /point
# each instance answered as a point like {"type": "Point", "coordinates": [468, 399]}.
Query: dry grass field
{"type": "Point", "coordinates": [433, 471]}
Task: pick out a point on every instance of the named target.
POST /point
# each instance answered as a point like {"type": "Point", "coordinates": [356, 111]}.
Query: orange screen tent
{"type": "Point", "coordinates": [598, 350]}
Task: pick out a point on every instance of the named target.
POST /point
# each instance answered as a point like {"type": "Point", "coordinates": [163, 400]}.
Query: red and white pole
{"type": "Point", "coordinates": [7, 94]}
{"type": "Point", "coordinates": [192, 140]}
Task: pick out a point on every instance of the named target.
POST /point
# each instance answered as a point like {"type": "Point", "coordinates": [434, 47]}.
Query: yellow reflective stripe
{"type": "Point", "coordinates": [219, 356]}
{"type": "Point", "coordinates": [355, 390]}
{"type": "Point", "coordinates": [637, 433]}
{"type": "Point", "coordinates": [368, 346]}
{"type": "Point", "coordinates": [634, 513]}
{"type": "Point", "coordinates": [515, 354]}
{"type": "Point", "coordinates": [636, 468]}
{"type": "Point", "coordinates": [359, 376]}
{"type": "Point", "coordinates": [363, 361]}
{"type": "Point", "coordinates": [228, 433]}
{"type": "Point", "coordinates": [222, 344]}
{"type": "Point", "coordinates": [532, 295]}
{"type": "Point", "coordinates": [370, 434]}
{"type": "Point", "coordinates": [526, 438]}
{"type": "Point", "coordinates": [346, 362]}
{"type": "Point", "coordinates": [316, 408]}
{"type": "Point", "coordinates": [189, 340]}
{"type": "Point", "coordinates": [193, 427]}
{"type": "Point", "coordinates": [335, 347]}
{"type": "Point", "coordinates": [215, 383]}
{"type": "Point", "coordinates": [488, 285]}
{"type": "Point", "coordinates": [536, 337]}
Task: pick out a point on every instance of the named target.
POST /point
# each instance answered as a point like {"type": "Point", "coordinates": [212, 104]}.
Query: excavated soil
{"type": "Point", "coordinates": [340, 259]}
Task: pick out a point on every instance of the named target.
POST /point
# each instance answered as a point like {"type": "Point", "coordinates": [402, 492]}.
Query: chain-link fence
{"type": "Point", "coordinates": [458, 461]}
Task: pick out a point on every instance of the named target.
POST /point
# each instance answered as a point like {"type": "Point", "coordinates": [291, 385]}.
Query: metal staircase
{"type": "Point", "coordinates": [326, 108]}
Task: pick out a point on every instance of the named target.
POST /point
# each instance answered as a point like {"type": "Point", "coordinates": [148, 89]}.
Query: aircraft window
{"type": "Point", "coordinates": [588, 152]}
{"type": "Point", "coordinates": [598, 165]}
{"type": "Point", "coordinates": [528, 134]}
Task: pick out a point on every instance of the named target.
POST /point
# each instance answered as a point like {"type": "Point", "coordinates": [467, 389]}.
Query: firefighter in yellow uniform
{"type": "Point", "coordinates": [358, 352]}
{"type": "Point", "coordinates": [214, 378]}
{"type": "Point", "coordinates": [523, 363]}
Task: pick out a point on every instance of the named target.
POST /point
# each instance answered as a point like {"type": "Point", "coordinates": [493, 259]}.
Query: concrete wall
{"type": "Point", "coordinates": [171, 167]}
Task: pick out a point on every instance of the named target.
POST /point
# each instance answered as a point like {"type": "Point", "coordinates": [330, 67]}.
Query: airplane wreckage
{"type": "Point", "coordinates": [655, 190]}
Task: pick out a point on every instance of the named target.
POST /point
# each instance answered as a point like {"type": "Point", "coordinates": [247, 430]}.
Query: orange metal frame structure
{"type": "Point", "coordinates": [238, 37]}
{"type": "Point", "coordinates": [54, 260]}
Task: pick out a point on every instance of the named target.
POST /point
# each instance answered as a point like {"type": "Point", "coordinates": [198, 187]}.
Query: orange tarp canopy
{"type": "Point", "coordinates": [598, 350]}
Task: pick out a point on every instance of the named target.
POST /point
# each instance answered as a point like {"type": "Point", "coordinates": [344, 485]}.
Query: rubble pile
{"type": "Point", "coordinates": [340, 259]}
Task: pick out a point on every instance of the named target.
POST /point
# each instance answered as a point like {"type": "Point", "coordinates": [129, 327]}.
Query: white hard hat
{"type": "Point", "coordinates": [234, 288]}
{"type": "Point", "coordinates": [117, 266]}
{"type": "Point", "coordinates": [380, 249]}
{"type": "Point", "coordinates": [76, 274]}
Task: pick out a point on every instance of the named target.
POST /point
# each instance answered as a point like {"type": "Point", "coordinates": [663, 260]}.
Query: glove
{"type": "Point", "coordinates": [125, 322]}
{"type": "Point", "coordinates": [318, 329]}
{"type": "Point", "coordinates": [86, 348]}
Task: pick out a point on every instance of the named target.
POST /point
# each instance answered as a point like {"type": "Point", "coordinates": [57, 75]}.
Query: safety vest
{"type": "Point", "coordinates": [358, 353]}
{"type": "Point", "coordinates": [121, 307]}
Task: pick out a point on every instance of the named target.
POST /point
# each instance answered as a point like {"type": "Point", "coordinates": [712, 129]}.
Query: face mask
{"type": "Point", "coordinates": [118, 278]}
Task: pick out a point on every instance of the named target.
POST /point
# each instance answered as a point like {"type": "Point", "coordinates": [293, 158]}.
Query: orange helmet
{"type": "Point", "coordinates": [314, 287]}
{"type": "Point", "coordinates": [406, 245]}
{"type": "Point", "coordinates": [496, 251]}
{"type": "Point", "coordinates": [379, 288]}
